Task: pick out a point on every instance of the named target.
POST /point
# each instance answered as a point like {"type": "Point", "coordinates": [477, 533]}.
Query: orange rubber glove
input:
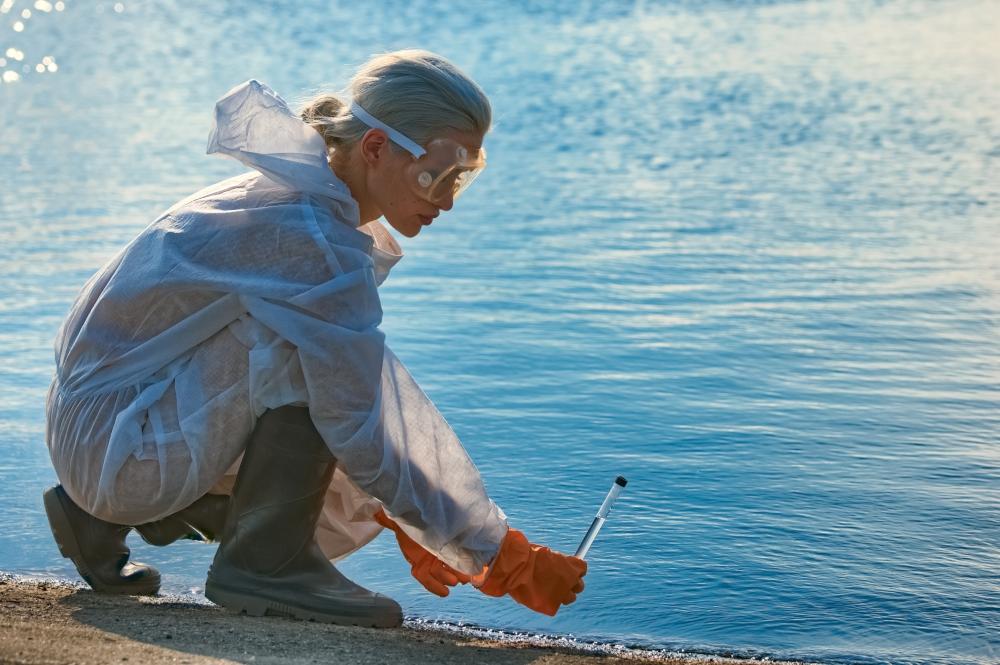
{"type": "Point", "coordinates": [434, 574]}
{"type": "Point", "coordinates": [534, 576]}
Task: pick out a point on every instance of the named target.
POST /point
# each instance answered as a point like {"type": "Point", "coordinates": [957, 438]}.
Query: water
{"type": "Point", "coordinates": [745, 255]}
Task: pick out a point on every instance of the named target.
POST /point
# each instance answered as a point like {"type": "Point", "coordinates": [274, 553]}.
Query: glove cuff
{"type": "Point", "coordinates": [509, 564]}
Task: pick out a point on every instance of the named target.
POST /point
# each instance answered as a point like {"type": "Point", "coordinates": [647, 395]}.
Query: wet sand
{"type": "Point", "coordinates": [53, 623]}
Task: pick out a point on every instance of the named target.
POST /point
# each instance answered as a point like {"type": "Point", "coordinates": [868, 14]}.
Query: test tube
{"type": "Point", "coordinates": [602, 516]}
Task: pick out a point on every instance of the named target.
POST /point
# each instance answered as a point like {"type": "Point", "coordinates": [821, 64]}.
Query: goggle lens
{"type": "Point", "coordinates": [445, 170]}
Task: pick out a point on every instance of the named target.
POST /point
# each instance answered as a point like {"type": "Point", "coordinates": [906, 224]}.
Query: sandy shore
{"type": "Point", "coordinates": [49, 623]}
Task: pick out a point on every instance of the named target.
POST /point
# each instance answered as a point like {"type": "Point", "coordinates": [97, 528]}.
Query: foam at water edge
{"type": "Point", "coordinates": [563, 642]}
{"type": "Point", "coordinates": [40, 580]}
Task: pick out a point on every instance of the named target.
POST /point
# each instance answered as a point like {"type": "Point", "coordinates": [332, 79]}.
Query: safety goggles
{"type": "Point", "coordinates": [441, 170]}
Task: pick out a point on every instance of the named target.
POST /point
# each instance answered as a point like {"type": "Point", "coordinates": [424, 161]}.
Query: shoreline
{"type": "Point", "coordinates": [45, 622]}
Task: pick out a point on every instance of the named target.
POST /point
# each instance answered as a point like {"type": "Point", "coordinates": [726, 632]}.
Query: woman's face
{"type": "Point", "coordinates": [393, 194]}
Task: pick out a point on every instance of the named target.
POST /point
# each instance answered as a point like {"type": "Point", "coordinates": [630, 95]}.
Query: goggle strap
{"type": "Point", "coordinates": [397, 137]}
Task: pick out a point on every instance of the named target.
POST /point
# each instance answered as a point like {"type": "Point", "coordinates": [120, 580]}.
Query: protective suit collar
{"type": "Point", "coordinates": [385, 253]}
{"type": "Point", "coordinates": [254, 125]}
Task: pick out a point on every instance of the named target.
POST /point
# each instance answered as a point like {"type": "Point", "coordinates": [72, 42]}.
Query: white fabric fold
{"type": "Point", "coordinates": [257, 292]}
{"type": "Point", "coordinates": [254, 125]}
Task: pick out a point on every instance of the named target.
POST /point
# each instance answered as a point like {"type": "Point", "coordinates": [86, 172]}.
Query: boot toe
{"type": "Point", "coordinates": [132, 579]}
{"type": "Point", "coordinates": [142, 578]}
{"type": "Point", "coordinates": [390, 612]}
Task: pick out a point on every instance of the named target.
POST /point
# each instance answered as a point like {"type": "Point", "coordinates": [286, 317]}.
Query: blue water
{"type": "Point", "coordinates": [745, 254]}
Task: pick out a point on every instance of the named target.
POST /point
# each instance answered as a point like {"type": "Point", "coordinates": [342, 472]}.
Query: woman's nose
{"type": "Point", "coordinates": [446, 202]}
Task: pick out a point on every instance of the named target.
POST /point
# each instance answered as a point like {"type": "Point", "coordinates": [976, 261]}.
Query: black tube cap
{"type": "Point", "coordinates": [620, 480]}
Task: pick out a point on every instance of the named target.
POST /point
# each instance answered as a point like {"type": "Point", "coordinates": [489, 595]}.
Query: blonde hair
{"type": "Point", "coordinates": [413, 91]}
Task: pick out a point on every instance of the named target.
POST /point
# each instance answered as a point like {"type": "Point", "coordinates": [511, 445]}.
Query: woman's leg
{"type": "Point", "coordinates": [154, 466]}
{"type": "Point", "coordinates": [97, 548]}
{"type": "Point", "coordinates": [269, 562]}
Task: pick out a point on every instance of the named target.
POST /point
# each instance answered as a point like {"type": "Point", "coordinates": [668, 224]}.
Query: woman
{"type": "Point", "coordinates": [224, 378]}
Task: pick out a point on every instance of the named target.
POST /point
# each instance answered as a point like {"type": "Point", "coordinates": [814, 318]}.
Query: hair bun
{"type": "Point", "coordinates": [324, 106]}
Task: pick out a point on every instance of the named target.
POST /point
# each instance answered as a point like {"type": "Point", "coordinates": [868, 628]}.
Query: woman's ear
{"type": "Point", "coordinates": [374, 145]}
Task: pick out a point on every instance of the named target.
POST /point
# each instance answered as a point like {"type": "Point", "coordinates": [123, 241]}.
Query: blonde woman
{"type": "Point", "coordinates": [224, 376]}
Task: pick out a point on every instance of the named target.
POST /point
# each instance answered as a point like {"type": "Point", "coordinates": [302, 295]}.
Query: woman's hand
{"type": "Point", "coordinates": [435, 575]}
{"type": "Point", "coordinates": [533, 575]}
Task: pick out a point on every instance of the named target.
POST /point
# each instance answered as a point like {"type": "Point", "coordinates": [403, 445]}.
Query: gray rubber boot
{"type": "Point", "coordinates": [269, 562]}
{"type": "Point", "coordinates": [97, 548]}
{"type": "Point", "coordinates": [203, 520]}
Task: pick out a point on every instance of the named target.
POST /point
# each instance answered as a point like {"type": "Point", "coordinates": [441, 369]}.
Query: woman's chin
{"type": "Point", "coordinates": [413, 229]}
{"type": "Point", "coordinates": [407, 227]}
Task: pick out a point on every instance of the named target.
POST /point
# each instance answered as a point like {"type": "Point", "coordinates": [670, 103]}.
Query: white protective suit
{"type": "Point", "coordinates": [254, 293]}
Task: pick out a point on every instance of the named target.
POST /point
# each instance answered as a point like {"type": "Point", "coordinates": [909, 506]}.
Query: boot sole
{"type": "Point", "coordinates": [258, 606]}
{"type": "Point", "coordinates": [69, 547]}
